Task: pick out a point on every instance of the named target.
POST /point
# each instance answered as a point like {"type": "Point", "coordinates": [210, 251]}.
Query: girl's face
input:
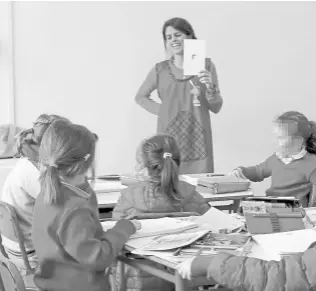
{"type": "Point", "coordinates": [285, 143]}
{"type": "Point", "coordinates": [174, 40]}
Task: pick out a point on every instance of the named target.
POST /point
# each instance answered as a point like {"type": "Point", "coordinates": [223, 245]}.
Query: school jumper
{"type": "Point", "coordinates": [181, 114]}
{"type": "Point", "coordinates": [297, 177]}
{"type": "Point", "coordinates": [143, 198]}
{"type": "Point", "coordinates": [71, 234]}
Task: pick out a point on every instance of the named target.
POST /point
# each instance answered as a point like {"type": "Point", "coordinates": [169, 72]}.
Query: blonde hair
{"type": "Point", "coordinates": [67, 150]}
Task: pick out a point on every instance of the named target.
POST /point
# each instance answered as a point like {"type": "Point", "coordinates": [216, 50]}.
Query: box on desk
{"type": "Point", "coordinates": [272, 214]}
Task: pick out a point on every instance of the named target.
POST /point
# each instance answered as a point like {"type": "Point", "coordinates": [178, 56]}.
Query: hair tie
{"type": "Point", "coordinates": [167, 155]}
{"type": "Point", "coordinates": [86, 157]}
{"type": "Point", "coordinates": [53, 165]}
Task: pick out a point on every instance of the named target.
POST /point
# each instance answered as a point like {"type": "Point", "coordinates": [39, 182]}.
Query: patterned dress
{"type": "Point", "coordinates": [183, 112]}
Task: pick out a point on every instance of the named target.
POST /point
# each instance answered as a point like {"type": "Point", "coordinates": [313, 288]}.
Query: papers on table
{"type": "Point", "coordinates": [215, 220]}
{"type": "Point", "coordinates": [156, 227]}
{"type": "Point", "coordinates": [286, 243]}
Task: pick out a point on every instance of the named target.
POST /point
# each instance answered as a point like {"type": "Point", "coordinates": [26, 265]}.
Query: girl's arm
{"type": "Point", "coordinates": [213, 97]}
{"type": "Point", "coordinates": [143, 95]}
{"type": "Point", "coordinates": [83, 238]}
{"type": "Point", "coordinates": [312, 194]}
{"type": "Point", "coordinates": [293, 273]}
{"type": "Point", "coordinates": [123, 206]}
{"type": "Point", "coordinates": [259, 172]}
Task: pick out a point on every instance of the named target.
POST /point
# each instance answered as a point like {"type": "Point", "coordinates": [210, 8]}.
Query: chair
{"type": "Point", "coordinates": [9, 227]}
{"type": "Point", "coordinates": [10, 277]}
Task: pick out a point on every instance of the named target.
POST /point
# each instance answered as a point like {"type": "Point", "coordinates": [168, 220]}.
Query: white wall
{"type": "Point", "coordinates": [86, 61]}
{"type": "Point", "coordinates": [6, 64]}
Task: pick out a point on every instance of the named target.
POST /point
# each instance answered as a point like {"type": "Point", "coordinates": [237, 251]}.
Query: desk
{"type": "Point", "coordinates": [160, 268]}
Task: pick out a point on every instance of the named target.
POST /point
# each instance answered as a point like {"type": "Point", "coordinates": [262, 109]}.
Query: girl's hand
{"type": "Point", "coordinates": [238, 174]}
{"type": "Point", "coordinates": [185, 268]}
{"type": "Point", "coordinates": [205, 77]}
{"type": "Point", "coordinates": [137, 224]}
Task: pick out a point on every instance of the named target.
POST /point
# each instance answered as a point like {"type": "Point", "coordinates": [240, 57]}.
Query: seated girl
{"type": "Point", "coordinates": [162, 192]}
{"type": "Point", "coordinates": [292, 167]}
{"type": "Point", "coordinates": [22, 187]}
{"type": "Point", "coordinates": [66, 228]}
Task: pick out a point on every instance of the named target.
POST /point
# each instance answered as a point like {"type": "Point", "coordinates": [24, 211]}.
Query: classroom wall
{"type": "Point", "coordinates": [86, 60]}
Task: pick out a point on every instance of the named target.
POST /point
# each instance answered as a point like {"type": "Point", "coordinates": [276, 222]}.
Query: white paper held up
{"type": "Point", "coordinates": [194, 56]}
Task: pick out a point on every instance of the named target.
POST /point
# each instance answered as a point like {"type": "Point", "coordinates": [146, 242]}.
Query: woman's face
{"type": "Point", "coordinates": [174, 40]}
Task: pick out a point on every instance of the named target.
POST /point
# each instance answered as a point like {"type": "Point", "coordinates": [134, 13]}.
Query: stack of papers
{"type": "Point", "coordinates": [157, 227]}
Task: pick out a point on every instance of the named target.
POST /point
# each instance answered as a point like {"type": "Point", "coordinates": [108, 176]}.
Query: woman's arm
{"type": "Point", "coordinates": [143, 95]}
{"type": "Point", "coordinates": [213, 96]}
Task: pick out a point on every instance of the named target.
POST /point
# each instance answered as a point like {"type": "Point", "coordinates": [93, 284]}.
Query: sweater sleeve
{"type": "Point", "coordinates": [215, 100]}
{"type": "Point", "coordinates": [297, 272]}
{"type": "Point", "coordinates": [123, 205]}
{"type": "Point", "coordinates": [259, 172]}
{"type": "Point", "coordinates": [312, 195]}
{"type": "Point", "coordinates": [143, 95]}
{"type": "Point", "coordinates": [82, 237]}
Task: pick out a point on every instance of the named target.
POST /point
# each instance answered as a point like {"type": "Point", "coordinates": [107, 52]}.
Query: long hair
{"type": "Point", "coordinates": [298, 125]}
{"type": "Point", "coordinates": [66, 150]}
{"type": "Point", "coordinates": [161, 156]}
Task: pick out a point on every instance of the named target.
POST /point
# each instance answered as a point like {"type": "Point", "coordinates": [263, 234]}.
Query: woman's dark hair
{"type": "Point", "coordinates": [179, 24]}
{"type": "Point", "coordinates": [298, 125]}
{"type": "Point", "coordinates": [161, 156]}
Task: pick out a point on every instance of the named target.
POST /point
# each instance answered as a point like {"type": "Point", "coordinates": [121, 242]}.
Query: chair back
{"type": "Point", "coordinates": [9, 228]}
{"type": "Point", "coordinates": [10, 277]}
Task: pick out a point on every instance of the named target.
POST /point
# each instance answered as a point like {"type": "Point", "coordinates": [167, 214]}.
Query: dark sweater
{"type": "Point", "coordinates": [71, 235]}
{"type": "Point", "coordinates": [294, 179]}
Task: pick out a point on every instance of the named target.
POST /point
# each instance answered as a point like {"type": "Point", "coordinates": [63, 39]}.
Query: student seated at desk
{"type": "Point", "coordinates": [22, 187]}
{"type": "Point", "coordinates": [162, 192]}
{"type": "Point", "coordinates": [292, 167]}
{"type": "Point", "coordinates": [66, 227]}
{"type": "Point", "coordinates": [294, 273]}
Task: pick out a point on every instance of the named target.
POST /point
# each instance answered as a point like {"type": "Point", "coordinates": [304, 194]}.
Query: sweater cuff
{"type": "Point", "coordinates": [125, 226]}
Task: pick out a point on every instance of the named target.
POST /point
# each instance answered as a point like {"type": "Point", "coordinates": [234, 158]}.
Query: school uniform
{"type": "Point", "coordinates": [71, 235]}
{"type": "Point", "coordinates": [290, 176]}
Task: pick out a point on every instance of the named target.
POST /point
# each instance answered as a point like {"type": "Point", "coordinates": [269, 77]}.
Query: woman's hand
{"type": "Point", "coordinates": [205, 77]}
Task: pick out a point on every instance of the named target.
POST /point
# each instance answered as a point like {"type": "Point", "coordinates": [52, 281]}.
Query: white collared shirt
{"type": "Point", "coordinates": [291, 158]}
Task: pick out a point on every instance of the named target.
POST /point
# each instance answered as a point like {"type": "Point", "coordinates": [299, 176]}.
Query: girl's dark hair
{"type": "Point", "coordinates": [298, 125]}
{"type": "Point", "coordinates": [66, 150]}
{"type": "Point", "coordinates": [179, 24]}
{"type": "Point", "coordinates": [161, 156]}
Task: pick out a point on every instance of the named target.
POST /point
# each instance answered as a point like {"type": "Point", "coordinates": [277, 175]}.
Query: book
{"type": "Point", "coordinates": [194, 56]}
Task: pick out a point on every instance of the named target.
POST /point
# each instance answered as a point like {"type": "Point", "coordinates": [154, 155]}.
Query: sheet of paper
{"type": "Point", "coordinates": [155, 227]}
{"type": "Point", "coordinates": [286, 242]}
{"type": "Point", "coordinates": [216, 220]}
{"type": "Point", "coordinates": [194, 56]}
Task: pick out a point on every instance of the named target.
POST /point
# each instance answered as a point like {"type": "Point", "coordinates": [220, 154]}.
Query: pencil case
{"type": "Point", "coordinates": [221, 185]}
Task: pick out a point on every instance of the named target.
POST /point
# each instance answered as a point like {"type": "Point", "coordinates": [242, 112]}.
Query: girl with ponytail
{"type": "Point", "coordinates": [161, 192]}
{"type": "Point", "coordinates": [292, 167]}
{"type": "Point", "coordinates": [67, 233]}
{"type": "Point", "coordinates": [22, 187]}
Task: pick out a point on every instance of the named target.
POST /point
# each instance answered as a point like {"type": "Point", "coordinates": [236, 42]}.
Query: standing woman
{"type": "Point", "coordinates": [185, 100]}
